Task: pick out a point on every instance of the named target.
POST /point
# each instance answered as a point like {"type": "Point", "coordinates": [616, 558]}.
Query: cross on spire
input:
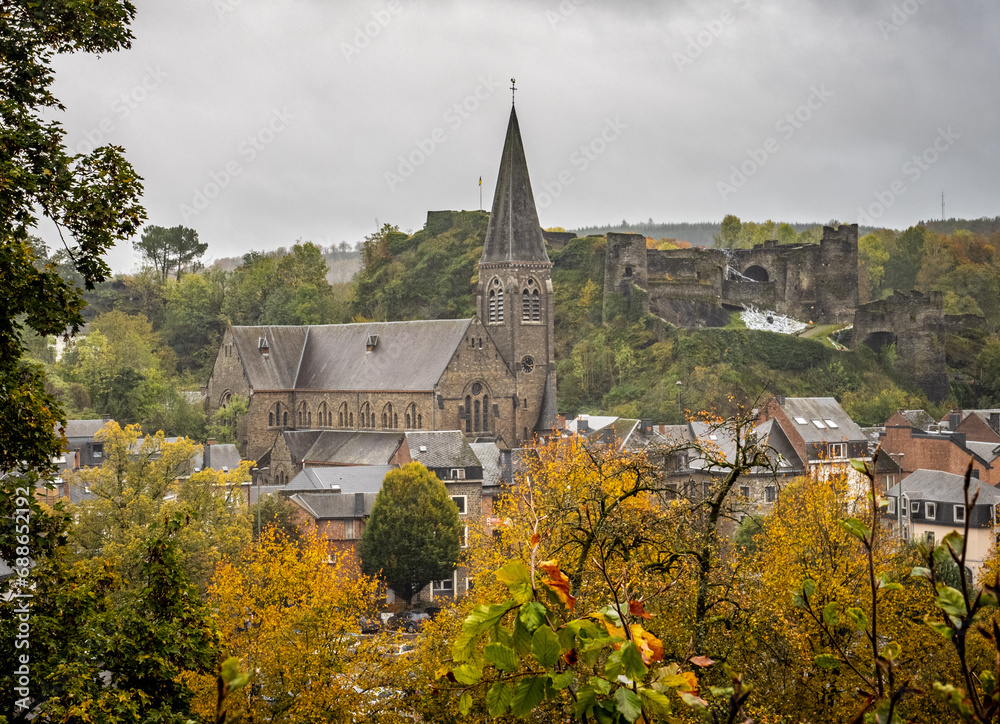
{"type": "Point", "coordinates": [513, 89]}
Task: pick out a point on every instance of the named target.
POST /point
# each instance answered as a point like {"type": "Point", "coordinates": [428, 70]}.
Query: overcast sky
{"type": "Point", "coordinates": [261, 122]}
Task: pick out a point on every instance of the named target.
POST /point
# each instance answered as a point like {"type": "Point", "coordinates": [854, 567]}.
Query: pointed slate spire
{"type": "Point", "coordinates": [513, 233]}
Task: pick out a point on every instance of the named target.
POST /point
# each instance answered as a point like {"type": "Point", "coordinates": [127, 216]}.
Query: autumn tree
{"type": "Point", "coordinates": [142, 479]}
{"type": "Point", "coordinates": [413, 534]}
{"type": "Point", "coordinates": [290, 612]}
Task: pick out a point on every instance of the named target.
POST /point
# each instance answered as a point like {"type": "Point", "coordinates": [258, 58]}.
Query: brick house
{"type": "Point", "coordinates": [949, 452]}
{"type": "Point", "coordinates": [492, 377]}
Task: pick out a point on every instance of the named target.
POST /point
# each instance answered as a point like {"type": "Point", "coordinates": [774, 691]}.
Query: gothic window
{"type": "Point", "coordinates": [411, 416]}
{"type": "Point", "coordinates": [475, 419]}
{"type": "Point", "coordinates": [344, 416]}
{"type": "Point", "coordinates": [367, 416]}
{"type": "Point", "coordinates": [284, 419]}
{"type": "Point", "coordinates": [468, 413]}
{"type": "Point", "coordinates": [389, 420]}
{"type": "Point", "coordinates": [420, 422]}
{"type": "Point", "coordinates": [270, 419]}
{"type": "Point", "coordinates": [536, 307]}
{"type": "Point", "coordinates": [351, 424]}
{"type": "Point", "coordinates": [493, 307]}
{"type": "Point", "coordinates": [495, 302]}
{"type": "Point", "coordinates": [525, 306]}
{"type": "Point", "coordinates": [486, 413]}
{"type": "Point", "coordinates": [499, 305]}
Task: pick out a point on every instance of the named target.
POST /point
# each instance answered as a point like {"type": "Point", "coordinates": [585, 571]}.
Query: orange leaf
{"type": "Point", "coordinates": [558, 582]}
{"type": "Point", "coordinates": [635, 608]}
{"type": "Point", "coordinates": [702, 661]}
{"type": "Point", "coordinates": [649, 646]}
{"type": "Point", "coordinates": [692, 681]}
{"type": "Point", "coordinates": [535, 540]}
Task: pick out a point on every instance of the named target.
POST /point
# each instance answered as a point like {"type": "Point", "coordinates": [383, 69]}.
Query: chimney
{"type": "Point", "coordinates": [995, 421]}
{"type": "Point", "coordinates": [334, 488]}
{"type": "Point", "coordinates": [561, 420]}
{"type": "Point", "coordinates": [954, 420]}
{"type": "Point", "coordinates": [210, 441]}
{"type": "Point", "coordinates": [359, 505]}
{"type": "Point", "coordinates": [647, 427]}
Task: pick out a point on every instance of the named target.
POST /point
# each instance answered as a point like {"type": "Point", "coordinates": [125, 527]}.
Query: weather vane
{"type": "Point", "coordinates": [512, 90]}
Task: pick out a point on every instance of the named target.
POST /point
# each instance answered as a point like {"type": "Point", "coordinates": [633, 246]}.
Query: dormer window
{"type": "Point", "coordinates": [263, 346]}
{"type": "Point", "coordinates": [371, 342]}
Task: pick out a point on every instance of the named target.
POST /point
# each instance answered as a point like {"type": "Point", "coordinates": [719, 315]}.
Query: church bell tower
{"type": "Point", "coordinates": [515, 291]}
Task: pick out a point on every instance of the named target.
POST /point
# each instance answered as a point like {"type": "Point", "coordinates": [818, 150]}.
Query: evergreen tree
{"type": "Point", "coordinates": [412, 536]}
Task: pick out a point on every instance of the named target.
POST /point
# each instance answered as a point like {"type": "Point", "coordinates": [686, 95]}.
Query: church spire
{"type": "Point", "coordinates": [513, 233]}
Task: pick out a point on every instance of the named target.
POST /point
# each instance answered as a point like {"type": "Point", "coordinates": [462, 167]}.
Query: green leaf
{"type": "Point", "coordinates": [797, 600]}
{"type": "Point", "coordinates": [532, 615]}
{"type": "Point", "coordinates": [464, 703]}
{"type": "Point", "coordinates": [954, 541]}
{"type": "Point", "coordinates": [657, 703]}
{"type": "Point", "coordinates": [692, 700]}
{"type": "Point", "coordinates": [940, 626]}
{"type": "Point", "coordinates": [856, 528]}
{"type": "Point", "coordinates": [586, 697]}
{"type": "Point", "coordinates": [860, 465]}
{"type": "Point", "coordinates": [498, 699]}
{"type": "Point", "coordinates": [599, 684]}
{"type": "Point", "coordinates": [920, 572]}
{"type": "Point", "coordinates": [561, 681]}
{"type": "Point", "coordinates": [468, 674]}
{"type": "Point", "coordinates": [809, 587]}
{"type": "Point", "coordinates": [545, 646]}
{"type": "Point", "coordinates": [950, 601]}
{"type": "Point", "coordinates": [629, 705]}
{"type": "Point", "coordinates": [827, 661]}
{"type": "Point", "coordinates": [830, 615]}
{"type": "Point", "coordinates": [613, 666]}
{"type": "Point", "coordinates": [632, 662]}
{"type": "Point", "coordinates": [859, 618]}
{"type": "Point", "coordinates": [502, 657]}
{"type": "Point", "coordinates": [481, 619]}
{"type": "Point", "coordinates": [521, 638]}
{"type": "Point", "coordinates": [513, 573]}
{"type": "Point", "coordinates": [886, 584]}
{"type": "Point", "coordinates": [528, 693]}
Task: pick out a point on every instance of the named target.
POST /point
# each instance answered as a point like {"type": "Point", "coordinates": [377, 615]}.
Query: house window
{"type": "Point", "coordinates": [959, 513]}
{"type": "Point", "coordinates": [460, 501]}
{"type": "Point", "coordinates": [904, 507]}
{"type": "Point", "coordinates": [930, 511]}
{"type": "Point", "coordinates": [463, 541]}
{"type": "Point", "coordinates": [890, 480]}
{"type": "Point", "coordinates": [706, 488]}
{"type": "Point", "coordinates": [445, 586]}
{"type": "Point", "coordinates": [891, 507]}
{"type": "Point", "coordinates": [770, 494]}
{"type": "Point", "coordinates": [915, 506]}
{"type": "Point", "coordinates": [458, 473]}
{"type": "Point", "coordinates": [349, 530]}
{"type": "Point", "coordinates": [98, 451]}
{"type": "Point", "coordinates": [745, 492]}
{"type": "Point", "coordinates": [838, 451]}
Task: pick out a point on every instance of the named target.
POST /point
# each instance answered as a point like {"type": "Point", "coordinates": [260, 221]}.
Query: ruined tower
{"type": "Point", "coordinates": [515, 303]}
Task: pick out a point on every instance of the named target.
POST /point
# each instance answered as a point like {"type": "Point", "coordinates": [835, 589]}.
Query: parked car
{"type": "Point", "coordinates": [432, 611]}
{"type": "Point", "coordinates": [411, 621]}
{"type": "Point", "coordinates": [370, 625]}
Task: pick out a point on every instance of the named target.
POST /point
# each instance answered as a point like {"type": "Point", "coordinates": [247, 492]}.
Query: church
{"type": "Point", "coordinates": [493, 377]}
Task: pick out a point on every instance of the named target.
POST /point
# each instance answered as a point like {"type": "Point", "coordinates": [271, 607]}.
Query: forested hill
{"type": "Point", "coordinates": [631, 366]}
{"type": "Point", "coordinates": [153, 335]}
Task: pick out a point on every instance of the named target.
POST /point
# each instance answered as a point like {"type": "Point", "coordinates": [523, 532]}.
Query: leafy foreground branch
{"type": "Point", "coordinates": [603, 666]}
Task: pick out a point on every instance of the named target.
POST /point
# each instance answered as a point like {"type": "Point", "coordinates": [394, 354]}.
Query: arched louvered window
{"type": "Point", "coordinates": [492, 306]}
{"type": "Point", "coordinates": [536, 307]}
{"type": "Point", "coordinates": [500, 305]}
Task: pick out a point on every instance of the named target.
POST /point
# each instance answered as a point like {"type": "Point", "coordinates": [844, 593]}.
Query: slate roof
{"type": "Point", "coordinates": [82, 428]}
{"type": "Point", "coordinates": [329, 506]}
{"type": "Point", "coordinates": [265, 490]}
{"type": "Point", "coordinates": [217, 457]}
{"type": "Point", "coordinates": [942, 487]}
{"type": "Point", "coordinates": [821, 408]}
{"type": "Point", "coordinates": [721, 443]}
{"type": "Point", "coordinates": [514, 233]}
{"type": "Point", "coordinates": [988, 451]}
{"type": "Point", "coordinates": [343, 447]}
{"type": "Point", "coordinates": [490, 458]}
{"type": "Point", "coordinates": [617, 433]}
{"type": "Point", "coordinates": [919, 419]}
{"type": "Point", "coordinates": [352, 479]}
{"type": "Point", "coordinates": [445, 449]}
{"type": "Point", "coordinates": [408, 356]}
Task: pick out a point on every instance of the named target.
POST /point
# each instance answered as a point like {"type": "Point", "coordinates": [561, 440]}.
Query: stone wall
{"type": "Point", "coordinates": [914, 322]}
